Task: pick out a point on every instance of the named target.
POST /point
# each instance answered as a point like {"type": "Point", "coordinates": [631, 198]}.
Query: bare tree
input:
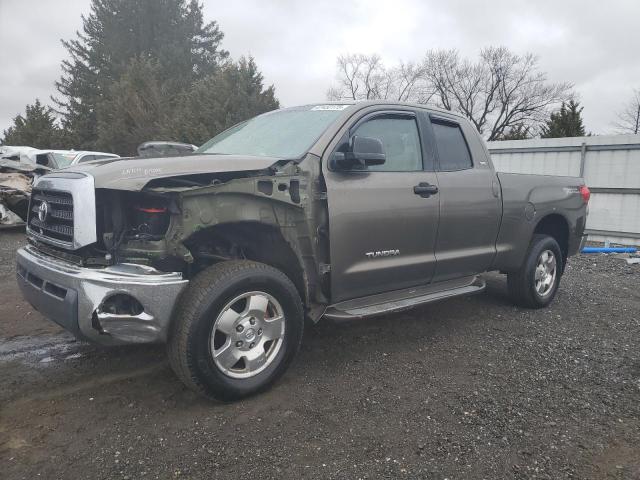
{"type": "Point", "coordinates": [410, 83]}
{"type": "Point", "coordinates": [497, 93]}
{"type": "Point", "coordinates": [360, 77]}
{"type": "Point", "coordinates": [500, 91]}
{"type": "Point", "coordinates": [365, 77]}
{"type": "Point", "coordinates": [629, 118]}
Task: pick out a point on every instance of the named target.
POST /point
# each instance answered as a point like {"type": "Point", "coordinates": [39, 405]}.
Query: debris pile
{"type": "Point", "coordinates": [16, 179]}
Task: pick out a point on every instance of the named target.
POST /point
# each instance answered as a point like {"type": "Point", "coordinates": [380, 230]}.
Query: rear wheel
{"type": "Point", "coordinates": [536, 283]}
{"type": "Point", "coordinates": [236, 329]}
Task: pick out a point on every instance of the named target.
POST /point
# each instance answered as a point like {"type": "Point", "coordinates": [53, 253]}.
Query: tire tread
{"type": "Point", "coordinates": [518, 284]}
{"type": "Point", "coordinates": [207, 283]}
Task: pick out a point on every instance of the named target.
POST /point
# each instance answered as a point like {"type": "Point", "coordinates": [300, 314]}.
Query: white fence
{"type": "Point", "coordinates": [610, 166]}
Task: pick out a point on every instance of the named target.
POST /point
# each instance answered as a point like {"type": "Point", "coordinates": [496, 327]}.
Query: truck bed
{"type": "Point", "coordinates": [526, 198]}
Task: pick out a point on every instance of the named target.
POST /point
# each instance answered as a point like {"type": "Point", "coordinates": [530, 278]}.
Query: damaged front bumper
{"type": "Point", "coordinates": [82, 300]}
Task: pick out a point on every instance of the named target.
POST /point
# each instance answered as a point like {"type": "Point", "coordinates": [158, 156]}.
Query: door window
{"type": "Point", "coordinates": [453, 152]}
{"type": "Point", "coordinates": [400, 140]}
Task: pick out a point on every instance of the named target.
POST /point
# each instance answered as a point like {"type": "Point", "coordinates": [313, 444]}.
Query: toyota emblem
{"type": "Point", "coordinates": [43, 211]}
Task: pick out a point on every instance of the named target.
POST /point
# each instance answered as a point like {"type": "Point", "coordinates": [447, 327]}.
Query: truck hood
{"type": "Point", "coordinates": [134, 173]}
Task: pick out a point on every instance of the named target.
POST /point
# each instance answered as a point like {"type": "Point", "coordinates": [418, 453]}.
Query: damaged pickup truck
{"type": "Point", "coordinates": [332, 210]}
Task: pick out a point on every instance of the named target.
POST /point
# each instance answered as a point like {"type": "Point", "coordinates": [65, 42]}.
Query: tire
{"type": "Point", "coordinates": [217, 321]}
{"type": "Point", "coordinates": [534, 285]}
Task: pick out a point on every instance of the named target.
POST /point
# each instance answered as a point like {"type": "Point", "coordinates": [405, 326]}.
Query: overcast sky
{"type": "Point", "coordinates": [593, 44]}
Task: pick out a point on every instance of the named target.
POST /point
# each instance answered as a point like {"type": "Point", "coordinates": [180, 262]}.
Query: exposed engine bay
{"type": "Point", "coordinates": [186, 223]}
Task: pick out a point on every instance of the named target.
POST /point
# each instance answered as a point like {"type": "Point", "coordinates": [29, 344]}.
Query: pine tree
{"type": "Point", "coordinates": [136, 108]}
{"type": "Point", "coordinates": [170, 32]}
{"type": "Point", "coordinates": [221, 100]}
{"type": "Point", "coordinates": [38, 129]}
{"type": "Point", "coordinates": [517, 132]}
{"type": "Point", "coordinates": [567, 122]}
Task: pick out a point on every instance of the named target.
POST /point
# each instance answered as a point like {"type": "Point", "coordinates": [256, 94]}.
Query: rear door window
{"type": "Point", "coordinates": [453, 152]}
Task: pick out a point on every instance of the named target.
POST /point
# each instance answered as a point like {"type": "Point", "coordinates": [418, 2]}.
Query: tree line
{"type": "Point", "coordinates": [505, 95]}
{"type": "Point", "coordinates": [144, 70]}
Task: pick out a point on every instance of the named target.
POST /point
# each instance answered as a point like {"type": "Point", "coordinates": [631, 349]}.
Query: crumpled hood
{"type": "Point", "coordinates": [134, 173]}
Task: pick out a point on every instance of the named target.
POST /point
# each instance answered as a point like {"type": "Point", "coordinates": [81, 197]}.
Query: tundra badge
{"type": "Point", "coordinates": [383, 253]}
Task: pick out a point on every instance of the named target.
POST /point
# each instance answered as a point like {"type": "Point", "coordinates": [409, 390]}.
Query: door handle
{"type": "Point", "coordinates": [425, 190]}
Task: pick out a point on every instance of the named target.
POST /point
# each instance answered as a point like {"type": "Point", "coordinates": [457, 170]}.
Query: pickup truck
{"type": "Point", "coordinates": [337, 210]}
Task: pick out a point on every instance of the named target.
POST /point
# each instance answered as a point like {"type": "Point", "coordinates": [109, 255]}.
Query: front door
{"type": "Point", "coordinates": [382, 229]}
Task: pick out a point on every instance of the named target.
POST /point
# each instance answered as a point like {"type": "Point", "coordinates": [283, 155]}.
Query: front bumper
{"type": "Point", "coordinates": [72, 296]}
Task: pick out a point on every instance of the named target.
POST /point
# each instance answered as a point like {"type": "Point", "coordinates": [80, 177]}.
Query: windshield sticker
{"type": "Point", "coordinates": [330, 107]}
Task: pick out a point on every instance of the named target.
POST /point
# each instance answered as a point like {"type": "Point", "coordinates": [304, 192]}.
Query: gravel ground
{"type": "Point", "coordinates": [466, 388]}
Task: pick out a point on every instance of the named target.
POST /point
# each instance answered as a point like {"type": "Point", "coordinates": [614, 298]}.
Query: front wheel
{"type": "Point", "coordinates": [536, 283]}
{"type": "Point", "coordinates": [236, 329]}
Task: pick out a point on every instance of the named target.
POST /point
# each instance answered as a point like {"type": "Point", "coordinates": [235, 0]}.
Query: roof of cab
{"type": "Point", "coordinates": [357, 106]}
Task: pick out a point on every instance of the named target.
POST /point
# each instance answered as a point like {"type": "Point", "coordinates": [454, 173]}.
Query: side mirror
{"type": "Point", "coordinates": [362, 152]}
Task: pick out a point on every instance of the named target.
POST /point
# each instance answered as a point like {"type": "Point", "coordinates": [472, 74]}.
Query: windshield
{"type": "Point", "coordinates": [287, 133]}
{"type": "Point", "coordinates": [64, 159]}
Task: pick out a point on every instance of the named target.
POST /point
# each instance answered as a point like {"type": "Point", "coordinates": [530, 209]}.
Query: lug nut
{"type": "Point", "coordinates": [252, 345]}
{"type": "Point", "coordinates": [239, 328]}
{"type": "Point", "coordinates": [259, 331]}
{"type": "Point", "coordinates": [238, 343]}
{"type": "Point", "coordinates": [252, 321]}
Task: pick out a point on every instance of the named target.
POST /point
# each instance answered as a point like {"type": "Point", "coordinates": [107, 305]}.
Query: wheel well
{"type": "Point", "coordinates": [249, 240]}
{"type": "Point", "coordinates": [555, 226]}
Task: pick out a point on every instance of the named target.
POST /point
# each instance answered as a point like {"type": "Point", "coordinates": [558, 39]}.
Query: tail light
{"type": "Point", "coordinates": [585, 192]}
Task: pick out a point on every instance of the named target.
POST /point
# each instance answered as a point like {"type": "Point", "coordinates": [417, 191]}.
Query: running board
{"type": "Point", "coordinates": [400, 300]}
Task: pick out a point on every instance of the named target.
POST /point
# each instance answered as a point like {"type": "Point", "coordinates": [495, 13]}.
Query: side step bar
{"type": "Point", "coordinates": [400, 300]}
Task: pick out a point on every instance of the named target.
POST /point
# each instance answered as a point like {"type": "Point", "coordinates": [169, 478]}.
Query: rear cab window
{"type": "Point", "coordinates": [453, 151]}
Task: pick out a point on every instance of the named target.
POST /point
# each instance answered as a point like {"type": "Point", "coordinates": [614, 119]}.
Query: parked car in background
{"type": "Point", "coordinates": [53, 159]}
{"type": "Point", "coordinates": [165, 149]}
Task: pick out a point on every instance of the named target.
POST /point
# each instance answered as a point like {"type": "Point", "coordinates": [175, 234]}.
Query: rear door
{"type": "Point", "coordinates": [382, 233]}
{"type": "Point", "coordinates": [470, 204]}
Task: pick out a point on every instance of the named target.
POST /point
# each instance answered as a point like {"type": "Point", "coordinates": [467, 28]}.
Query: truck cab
{"type": "Point", "coordinates": [415, 208]}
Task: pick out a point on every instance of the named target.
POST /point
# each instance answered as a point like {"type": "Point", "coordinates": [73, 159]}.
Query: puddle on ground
{"type": "Point", "coordinates": [41, 350]}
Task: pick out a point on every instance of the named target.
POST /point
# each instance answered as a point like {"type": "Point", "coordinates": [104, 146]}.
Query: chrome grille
{"type": "Point", "coordinates": [51, 215]}
{"type": "Point", "coordinates": [70, 218]}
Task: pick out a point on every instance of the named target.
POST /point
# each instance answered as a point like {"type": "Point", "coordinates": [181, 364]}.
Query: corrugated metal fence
{"type": "Point", "coordinates": [610, 166]}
